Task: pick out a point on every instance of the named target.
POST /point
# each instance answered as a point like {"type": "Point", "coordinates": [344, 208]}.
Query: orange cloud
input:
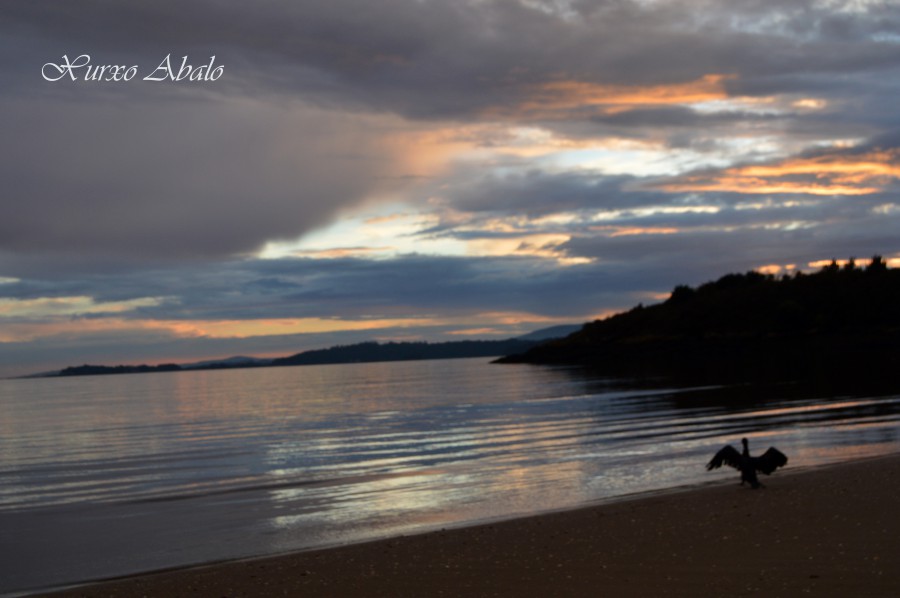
{"type": "Point", "coordinates": [832, 174]}
{"type": "Point", "coordinates": [891, 262]}
{"type": "Point", "coordinates": [860, 262]}
{"type": "Point", "coordinates": [53, 327]}
{"type": "Point", "coordinates": [476, 332]}
{"type": "Point", "coordinates": [341, 252]}
{"type": "Point", "coordinates": [639, 230]}
{"type": "Point", "coordinates": [513, 318]}
{"type": "Point", "coordinates": [67, 327]}
{"type": "Point", "coordinates": [810, 103]}
{"type": "Point", "coordinates": [280, 326]}
{"type": "Point", "coordinates": [551, 99]}
{"type": "Point", "coordinates": [538, 245]}
{"type": "Point", "coordinates": [776, 268]}
{"type": "Point", "coordinates": [769, 269]}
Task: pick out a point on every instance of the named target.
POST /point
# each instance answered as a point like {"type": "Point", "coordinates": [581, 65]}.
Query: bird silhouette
{"type": "Point", "coordinates": [768, 462]}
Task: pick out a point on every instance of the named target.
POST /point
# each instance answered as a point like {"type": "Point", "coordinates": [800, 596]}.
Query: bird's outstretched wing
{"type": "Point", "coordinates": [728, 455]}
{"type": "Point", "coordinates": [770, 460]}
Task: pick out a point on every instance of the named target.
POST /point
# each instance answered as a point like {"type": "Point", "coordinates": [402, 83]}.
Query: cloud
{"type": "Point", "coordinates": [575, 157]}
{"type": "Point", "coordinates": [349, 289]}
{"type": "Point", "coordinates": [833, 173]}
{"type": "Point", "coordinates": [430, 59]}
{"type": "Point", "coordinates": [59, 306]}
{"type": "Point", "coordinates": [564, 99]}
{"type": "Point", "coordinates": [537, 193]}
{"type": "Point", "coordinates": [698, 255]}
{"type": "Point", "coordinates": [179, 179]}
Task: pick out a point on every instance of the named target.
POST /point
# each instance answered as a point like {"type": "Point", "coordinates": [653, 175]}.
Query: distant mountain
{"type": "Point", "coordinates": [406, 351]}
{"type": "Point", "coordinates": [552, 332]}
{"type": "Point", "coordinates": [215, 364]}
{"type": "Point", "coordinates": [747, 326]}
{"type": "Point", "coordinates": [228, 362]}
{"type": "Point", "coordinates": [358, 353]}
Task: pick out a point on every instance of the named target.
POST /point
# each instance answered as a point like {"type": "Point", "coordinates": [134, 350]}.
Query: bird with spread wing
{"type": "Point", "coordinates": [766, 463]}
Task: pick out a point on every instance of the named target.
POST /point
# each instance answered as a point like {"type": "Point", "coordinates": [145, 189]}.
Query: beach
{"type": "Point", "coordinates": [828, 531]}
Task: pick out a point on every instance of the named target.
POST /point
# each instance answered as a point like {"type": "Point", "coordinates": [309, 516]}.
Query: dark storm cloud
{"type": "Point", "coordinates": [165, 180]}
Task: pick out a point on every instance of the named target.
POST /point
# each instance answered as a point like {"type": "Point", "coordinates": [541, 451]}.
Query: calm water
{"type": "Point", "coordinates": [109, 475]}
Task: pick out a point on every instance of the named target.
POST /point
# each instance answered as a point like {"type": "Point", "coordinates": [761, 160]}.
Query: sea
{"type": "Point", "coordinates": [105, 476]}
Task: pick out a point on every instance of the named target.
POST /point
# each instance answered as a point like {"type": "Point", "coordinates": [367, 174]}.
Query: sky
{"type": "Point", "coordinates": [421, 169]}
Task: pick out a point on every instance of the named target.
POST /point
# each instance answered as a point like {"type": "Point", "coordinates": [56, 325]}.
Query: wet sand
{"type": "Point", "coordinates": [832, 531]}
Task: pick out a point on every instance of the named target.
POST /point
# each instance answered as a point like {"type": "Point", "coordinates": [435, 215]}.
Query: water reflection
{"type": "Point", "coordinates": [452, 463]}
{"type": "Point", "coordinates": [256, 461]}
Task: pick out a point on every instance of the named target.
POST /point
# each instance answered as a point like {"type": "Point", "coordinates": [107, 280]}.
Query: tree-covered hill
{"type": "Point", "coordinates": [404, 351]}
{"type": "Point", "coordinates": [357, 353]}
{"type": "Point", "coordinates": [749, 325]}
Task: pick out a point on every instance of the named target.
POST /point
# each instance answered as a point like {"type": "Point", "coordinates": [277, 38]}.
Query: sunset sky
{"type": "Point", "coordinates": [424, 169]}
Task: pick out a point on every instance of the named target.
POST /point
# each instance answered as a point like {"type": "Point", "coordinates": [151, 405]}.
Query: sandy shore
{"type": "Point", "coordinates": [832, 531]}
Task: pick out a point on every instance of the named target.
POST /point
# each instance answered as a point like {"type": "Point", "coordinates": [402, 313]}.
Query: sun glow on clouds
{"type": "Point", "coordinates": [477, 332]}
{"type": "Point", "coordinates": [400, 226]}
{"type": "Point", "coordinates": [47, 327]}
{"type": "Point", "coordinates": [891, 262]}
{"type": "Point", "coordinates": [513, 318]}
{"type": "Point", "coordinates": [830, 174]}
{"type": "Point", "coordinates": [280, 326]}
{"type": "Point", "coordinates": [535, 147]}
{"type": "Point", "coordinates": [535, 245]}
{"type": "Point", "coordinates": [378, 232]}
{"type": "Point", "coordinates": [608, 155]}
{"type": "Point", "coordinates": [637, 230]}
{"type": "Point", "coordinates": [30, 319]}
{"type": "Point", "coordinates": [776, 268]}
{"type": "Point", "coordinates": [557, 99]}
{"type": "Point", "coordinates": [56, 327]}
{"type": "Point", "coordinates": [405, 233]}
{"type": "Point", "coordinates": [644, 159]}
{"type": "Point", "coordinates": [423, 218]}
{"type": "Point", "coordinates": [810, 103]}
{"type": "Point", "coordinates": [504, 147]}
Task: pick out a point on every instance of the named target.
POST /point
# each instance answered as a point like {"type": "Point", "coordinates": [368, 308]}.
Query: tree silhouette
{"type": "Point", "coordinates": [750, 324]}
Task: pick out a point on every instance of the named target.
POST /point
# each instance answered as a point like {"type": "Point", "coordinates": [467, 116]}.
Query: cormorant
{"type": "Point", "coordinates": [768, 462]}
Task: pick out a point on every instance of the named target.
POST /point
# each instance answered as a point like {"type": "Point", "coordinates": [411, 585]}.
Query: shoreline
{"type": "Point", "coordinates": [827, 529]}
